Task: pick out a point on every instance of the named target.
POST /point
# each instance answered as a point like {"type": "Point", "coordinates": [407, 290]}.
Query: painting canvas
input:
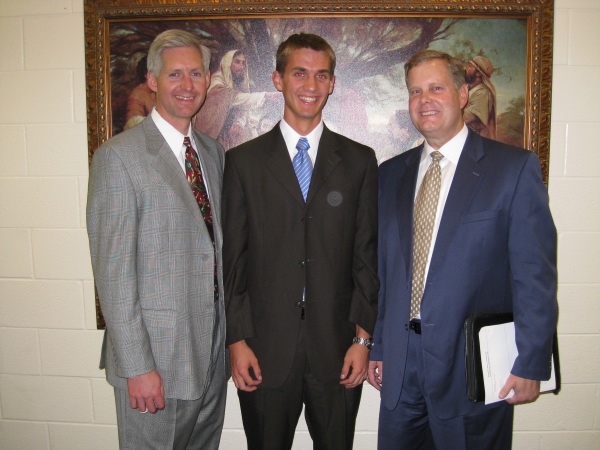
{"type": "Point", "coordinates": [369, 102]}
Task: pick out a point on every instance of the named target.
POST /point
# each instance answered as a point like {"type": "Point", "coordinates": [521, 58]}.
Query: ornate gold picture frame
{"type": "Point", "coordinates": [372, 41]}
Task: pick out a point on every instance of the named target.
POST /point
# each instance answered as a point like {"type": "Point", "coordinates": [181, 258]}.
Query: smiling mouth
{"type": "Point", "coordinates": [181, 97]}
{"type": "Point", "coordinates": [308, 99]}
{"type": "Point", "coordinates": [429, 113]}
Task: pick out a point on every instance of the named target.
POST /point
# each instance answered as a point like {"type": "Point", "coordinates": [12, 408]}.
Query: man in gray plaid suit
{"type": "Point", "coordinates": [157, 261]}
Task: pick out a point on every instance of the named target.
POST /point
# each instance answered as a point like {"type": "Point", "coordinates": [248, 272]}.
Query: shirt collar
{"type": "Point", "coordinates": [451, 149]}
{"type": "Point", "coordinates": [291, 136]}
{"type": "Point", "coordinates": [173, 137]}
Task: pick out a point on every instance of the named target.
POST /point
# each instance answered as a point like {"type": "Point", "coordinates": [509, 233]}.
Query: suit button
{"type": "Point", "coordinates": [298, 304]}
{"type": "Point", "coordinates": [302, 220]}
{"type": "Point", "coordinates": [301, 263]}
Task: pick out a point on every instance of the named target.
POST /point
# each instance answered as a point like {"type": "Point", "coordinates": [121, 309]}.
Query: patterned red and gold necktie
{"type": "Point", "coordinates": [194, 177]}
{"type": "Point", "coordinates": [193, 172]}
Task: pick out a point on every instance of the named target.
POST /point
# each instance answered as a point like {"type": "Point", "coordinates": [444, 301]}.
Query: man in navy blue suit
{"type": "Point", "coordinates": [492, 248]}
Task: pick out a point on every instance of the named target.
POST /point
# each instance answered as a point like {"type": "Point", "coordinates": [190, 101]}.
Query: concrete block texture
{"type": "Point", "coordinates": [578, 257]}
{"type": "Point", "coordinates": [52, 394]}
{"type": "Point", "coordinates": [16, 258]}
{"type": "Point", "coordinates": [48, 399]}
{"type": "Point", "coordinates": [568, 203]}
{"type": "Point", "coordinates": [573, 409]}
{"type": "Point", "coordinates": [45, 35]}
{"type": "Point", "coordinates": [579, 309]}
{"type": "Point", "coordinates": [41, 304]}
{"type": "Point", "coordinates": [11, 46]}
{"type": "Point", "coordinates": [54, 150]}
{"type": "Point", "coordinates": [571, 79]}
{"type": "Point", "coordinates": [20, 351]}
{"type": "Point", "coordinates": [39, 202]}
{"type": "Point", "coordinates": [13, 157]}
{"type": "Point", "coordinates": [24, 435]}
{"type": "Point", "coordinates": [35, 7]}
{"type": "Point", "coordinates": [61, 254]}
{"type": "Point", "coordinates": [31, 101]}
{"type": "Point", "coordinates": [71, 352]}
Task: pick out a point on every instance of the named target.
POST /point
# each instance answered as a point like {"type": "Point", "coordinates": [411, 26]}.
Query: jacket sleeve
{"type": "Point", "coordinates": [363, 309]}
{"type": "Point", "coordinates": [112, 230]}
{"type": "Point", "coordinates": [532, 253]}
{"type": "Point", "coordinates": [235, 253]}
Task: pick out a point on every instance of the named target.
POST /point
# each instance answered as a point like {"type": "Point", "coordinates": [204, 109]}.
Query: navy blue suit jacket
{"type": "Point", "coordinates": [495, 251]}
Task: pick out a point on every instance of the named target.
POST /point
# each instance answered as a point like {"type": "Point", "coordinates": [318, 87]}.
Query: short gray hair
{"type": "Point", "coordinates": [174, 39]}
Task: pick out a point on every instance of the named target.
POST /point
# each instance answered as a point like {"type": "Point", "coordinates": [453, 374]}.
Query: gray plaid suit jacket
{"type": "Point", "coordinates": [152, 259]}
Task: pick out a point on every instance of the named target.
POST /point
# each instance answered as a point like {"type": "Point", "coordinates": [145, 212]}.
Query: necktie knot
{"type": "Point", "coordinates": [302, 145]}
{"type": "Point", "coordinates": [436, 156]}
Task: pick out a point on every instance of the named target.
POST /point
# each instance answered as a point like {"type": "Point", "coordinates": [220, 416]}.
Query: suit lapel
{"type": "Point", "coordinates": [327, 158]}
{"type": "Point", "coordinates": [467, 177]}
{"type": "Point", "coordinates": [405, 198]}
{"type": "Point", "coordinates": [279, 163]}
{"type": "Point", "coordinates": [168, 167]}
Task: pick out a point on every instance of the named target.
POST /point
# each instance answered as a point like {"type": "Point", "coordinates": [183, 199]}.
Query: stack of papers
{"type": "Point", "coordinates": [498, 353]}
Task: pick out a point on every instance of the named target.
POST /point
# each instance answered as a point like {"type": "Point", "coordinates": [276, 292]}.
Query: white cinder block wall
{"type": "Point", "coordinates": [52, 395]}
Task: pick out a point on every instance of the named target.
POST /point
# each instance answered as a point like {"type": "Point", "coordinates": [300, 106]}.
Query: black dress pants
{"type": "Point", "coordinates": [270, 416]}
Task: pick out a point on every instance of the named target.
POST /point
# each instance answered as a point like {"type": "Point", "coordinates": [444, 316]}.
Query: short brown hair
{"type": "Point", "coordinates": [455, 66]}
{"type": "Point", "coordinates": [299, 41]}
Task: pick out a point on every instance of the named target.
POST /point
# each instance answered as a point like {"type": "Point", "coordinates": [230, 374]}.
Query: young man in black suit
{"type": "Point", "coordinates": [300, 232]}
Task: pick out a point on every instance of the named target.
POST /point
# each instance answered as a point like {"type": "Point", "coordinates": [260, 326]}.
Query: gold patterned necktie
{"type": "Point", "coordinates": [424, 219]}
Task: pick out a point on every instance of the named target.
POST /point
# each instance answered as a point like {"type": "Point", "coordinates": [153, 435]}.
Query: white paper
{"type": "Point", "coordinates": [498, 354]}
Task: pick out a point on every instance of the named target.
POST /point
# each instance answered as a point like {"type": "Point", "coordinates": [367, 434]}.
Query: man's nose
{"type": "Point", "coordinates": [187, 82]}
{"type": "Point", "coordinates": [310, 83]}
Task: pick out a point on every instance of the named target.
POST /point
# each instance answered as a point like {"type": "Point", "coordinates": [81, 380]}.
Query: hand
{"type": "Point", "coordinates": [525, 390]}
{"type": "Point", "coordinates": [146, 392]}
{"type": "Point", "coordinates": [376, 374]}
{"type": "Point", "coordinates": [356, 361]}
{"type": "Point", "coordinates": [242, 360]}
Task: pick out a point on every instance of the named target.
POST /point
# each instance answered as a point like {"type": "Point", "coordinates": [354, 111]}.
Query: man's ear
{"type": "Point", "coordinates": [276, 77]}
{"type": "Point", "coordinates": [151, 79]}
{"type": "Point", "coordinates": [463, 95]}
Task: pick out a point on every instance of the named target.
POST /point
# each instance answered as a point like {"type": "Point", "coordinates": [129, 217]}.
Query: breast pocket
{"type": "Point", "coordinates": [481, 216]}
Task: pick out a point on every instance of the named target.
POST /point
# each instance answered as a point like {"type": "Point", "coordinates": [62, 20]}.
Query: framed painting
{"type": "Point", "coordinates": [506, 46]}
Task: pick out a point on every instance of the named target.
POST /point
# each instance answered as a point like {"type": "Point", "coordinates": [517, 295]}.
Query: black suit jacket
{"type": "Point", "coordinates": [275, 245]}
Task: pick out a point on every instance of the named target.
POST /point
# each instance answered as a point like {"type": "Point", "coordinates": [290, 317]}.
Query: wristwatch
{"type": "Point", "coordinates": [363, 341]}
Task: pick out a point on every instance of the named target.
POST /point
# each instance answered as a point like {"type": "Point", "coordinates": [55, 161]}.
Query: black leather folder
{"type": "Point", "coordinates": [474, 370]}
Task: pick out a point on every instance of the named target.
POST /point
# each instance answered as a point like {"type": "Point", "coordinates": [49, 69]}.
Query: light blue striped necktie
{"type": "Point", "coordinates": [303, 166]}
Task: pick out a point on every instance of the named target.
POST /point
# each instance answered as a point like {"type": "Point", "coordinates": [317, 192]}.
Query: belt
{"type": "Point", "coordinates": [415, 325]}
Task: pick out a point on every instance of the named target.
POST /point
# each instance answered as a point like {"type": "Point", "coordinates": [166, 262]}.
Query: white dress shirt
{"type": "Point", "coordinates": [175, 142]}
{"type": "Point", "coordinates": [451, 151]}
{"type": "Point", "coordinates": [291, 139]}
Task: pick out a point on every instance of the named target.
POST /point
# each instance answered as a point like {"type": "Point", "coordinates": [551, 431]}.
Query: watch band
{"type": "Point", "coordinates": [363, 341]}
